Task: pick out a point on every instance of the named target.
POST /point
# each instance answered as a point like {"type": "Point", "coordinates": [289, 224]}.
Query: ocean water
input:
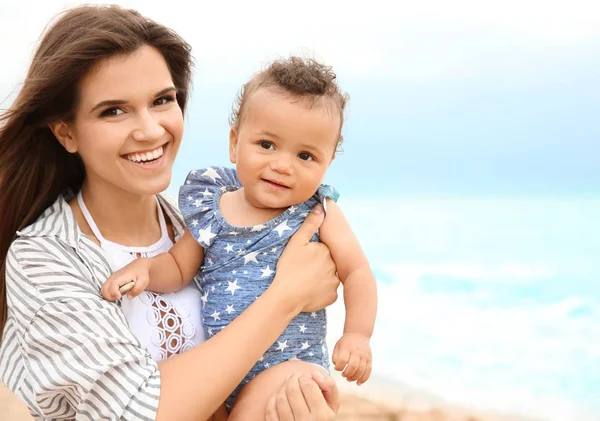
{"type": "Point", "coordinates": [489, 302]}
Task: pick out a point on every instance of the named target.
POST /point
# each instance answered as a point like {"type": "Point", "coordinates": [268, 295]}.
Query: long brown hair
{"type": "Point", "coordinates": [34, 168]}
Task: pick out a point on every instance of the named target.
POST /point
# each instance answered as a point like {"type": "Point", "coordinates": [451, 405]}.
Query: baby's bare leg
{"type": "Point", "coordinates": [252, 400]}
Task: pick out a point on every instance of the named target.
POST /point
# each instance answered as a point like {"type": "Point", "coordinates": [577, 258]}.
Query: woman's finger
{"type": "Point", "coordinates": [271, 410]}
{"type": "Point", "coordinates": [308, 228]}
{"type": "Point", "coordinates": [329, 390]}
{"type": "Point", "coordinates": [284, 410]}
{"type": "Point", "coordinates": [296, 399]}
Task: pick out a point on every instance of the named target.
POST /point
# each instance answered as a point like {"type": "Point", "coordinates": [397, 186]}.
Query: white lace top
{"type": "Point", "coordinates": [166, 324]}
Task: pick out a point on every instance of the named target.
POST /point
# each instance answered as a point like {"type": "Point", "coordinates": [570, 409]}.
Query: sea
{"type": "Point", "coordinates": [489, 302]}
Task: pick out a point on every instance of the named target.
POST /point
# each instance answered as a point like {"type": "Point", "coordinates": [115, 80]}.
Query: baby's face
{"type": "Point", "coordinates": [282, 149]}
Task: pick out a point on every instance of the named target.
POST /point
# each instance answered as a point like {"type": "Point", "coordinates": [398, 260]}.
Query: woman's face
{"type": "Point", "coordinates": [128, 124]}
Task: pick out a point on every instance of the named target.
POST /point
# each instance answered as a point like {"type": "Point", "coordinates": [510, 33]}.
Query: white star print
{"type": "Point", "coordinates": [267, 365]}
{"type": "Point", "coordinates": [206, 235]}
{"type": "Point", "coordinates": [197, 203]}
{"type": "Point", "coordinates": [245, 272]}
{"type": "Point", "coordinates": [266, 272]}
{"type": "Point", "coordinates": [302, 328]}
{"type": "Point", "coordinates": [212, 174]}
{"type": "Point", "coordinates": [310, 354]}
{"type": "Point", "coordinates": [195, 223]}
{"type": "Point", "coordinates": [282, 227]}
{"type": "Point", "coordinates": [251, 257]}
{"type": "Point", "coordinates": [304, 214]}
{"type": "Point", "coordinates": [294, 358]}
{"type": "Point", "coordinates": [282, 346]}
{"type": "Point", "coordinates": [274, 250]}
{"type": "Point", "coordinates": [193, 172]}
{"type": "Point", "coordinates": [293, 209]}
{"type": "Point", "coordinates": [190, 198]}
{"type": "Point", "coordinates": [248, 242]}
{"type": "Point", "coordinates": [265, 253]}
{"type": "Point", "coordinates": [213, 288]}
{"type": "Point", "coordinates": [234, 233]}
{"type": "Point", "coordinates": [217, 316]}
{"type": "Point", "coordinates": [229, 309]}
{"type": "Point", "coordinates": [204, 298]}
{"type": "Point", "coordinates": [261, 358]}
{"type": "Point", "coordinates": [233, 286]}
{"type": "Point", "coordinates": [209, 261]}
{"type": "Point", "coordinates": [210, 331]}
{"type": "Point", "coordinates": [313, 315]}
{"type": "Point", "coordinates": [258, 228]}
{"type": "Point", "coordinates": [207, 192]}
{"type": "Point", "coordinates": [234, 271]}
{"type": "Point", "coordinates": [305, 346]}
{"type": "Point", "coordinates": [228, 248]}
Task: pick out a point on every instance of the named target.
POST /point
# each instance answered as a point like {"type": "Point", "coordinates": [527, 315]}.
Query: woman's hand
{"type": "Point", "coordinates": [306, 272]}
{"type": "Point", "coordinates": [305, 398]}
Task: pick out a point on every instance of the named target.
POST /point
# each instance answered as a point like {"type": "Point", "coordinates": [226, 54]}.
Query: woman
{"type": "Point", "coordinates": [85, 149]}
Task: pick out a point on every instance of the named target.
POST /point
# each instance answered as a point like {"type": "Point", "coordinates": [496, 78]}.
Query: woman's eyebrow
{"type": "Point", "coordinates": [115, 102]}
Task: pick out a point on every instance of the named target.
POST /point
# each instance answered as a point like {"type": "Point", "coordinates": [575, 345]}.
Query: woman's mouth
{"type": "Point", "coordinates": [146, 158]}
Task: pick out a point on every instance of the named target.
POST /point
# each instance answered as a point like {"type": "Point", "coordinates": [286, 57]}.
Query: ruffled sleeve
{"type": "Point", "coordinates": [324, 192]}
{"type": "Point", "coordinates": [199, 200]}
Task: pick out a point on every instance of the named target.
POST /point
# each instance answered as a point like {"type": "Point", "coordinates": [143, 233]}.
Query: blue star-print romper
{"type": "Point", "coordinates": [239, 265]}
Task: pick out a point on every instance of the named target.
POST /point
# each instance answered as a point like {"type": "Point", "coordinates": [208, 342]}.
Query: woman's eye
{"type": "Point", "coordinates": [164, 100]}
{"type": "Point", "coordinates": [266, 145]}
{"type": "Point", "coordinates": [305, 156]}
{"type": "Point", "coordinates": [111, 112]}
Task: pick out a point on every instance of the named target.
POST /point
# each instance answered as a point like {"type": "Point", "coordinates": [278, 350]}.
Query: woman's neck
{"type": "Point", "coordinates": [121, 217]}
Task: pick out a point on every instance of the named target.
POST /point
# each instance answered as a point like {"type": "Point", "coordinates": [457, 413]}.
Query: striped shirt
{"type": "Point", "coordinates": [68, 353]}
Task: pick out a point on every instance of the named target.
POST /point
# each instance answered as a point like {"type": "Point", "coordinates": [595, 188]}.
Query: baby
{"type": "Point", "coordinates": [285, 130]}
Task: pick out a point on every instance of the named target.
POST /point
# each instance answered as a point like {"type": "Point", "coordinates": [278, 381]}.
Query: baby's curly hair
{"type": "Point", "coordinates": [308, 80]}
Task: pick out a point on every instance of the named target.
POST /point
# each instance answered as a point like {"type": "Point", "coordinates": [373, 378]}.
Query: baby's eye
{"type": "Point", "coordinates": [111, 112]}
{"type": "Point", "coordinates": [305, 156]}
{"type": "Point", "coordinates": [267, 145]}
{"type": "Point", "coordinates": [164, 100]}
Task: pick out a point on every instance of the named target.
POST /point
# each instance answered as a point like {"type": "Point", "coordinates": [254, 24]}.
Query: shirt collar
{"type": "Point", "coordinates": [59, 221]}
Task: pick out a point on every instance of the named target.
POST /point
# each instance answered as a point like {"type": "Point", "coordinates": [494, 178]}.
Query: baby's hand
{"type": "Point", "coordinates": [353, 352]}
{"type": "Point", "coordinates": [131, 280]}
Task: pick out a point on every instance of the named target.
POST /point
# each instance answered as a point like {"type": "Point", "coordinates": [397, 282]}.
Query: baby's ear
{"type": "Point", "coordinates": [233, 142]}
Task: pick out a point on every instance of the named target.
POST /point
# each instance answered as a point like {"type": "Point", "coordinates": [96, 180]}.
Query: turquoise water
{"type": "Point", "coordinates": [494, 303]}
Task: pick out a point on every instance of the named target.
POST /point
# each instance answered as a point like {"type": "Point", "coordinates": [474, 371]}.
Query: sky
{"type": "Point", "coordinates": [447, 98]}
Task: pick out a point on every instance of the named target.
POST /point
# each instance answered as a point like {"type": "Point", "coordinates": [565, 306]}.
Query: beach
{"type": "Point", "coordinates": [368, 402]}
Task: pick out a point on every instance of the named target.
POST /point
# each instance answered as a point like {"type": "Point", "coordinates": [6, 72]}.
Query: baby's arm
{"type": "Point", "coordinates": [166, 272]}
{"type": "Point", "coordinates": [360, 295]}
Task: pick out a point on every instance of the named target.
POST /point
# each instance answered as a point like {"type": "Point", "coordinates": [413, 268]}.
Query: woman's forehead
{"type": "Point", "coordinates": [126, 77]}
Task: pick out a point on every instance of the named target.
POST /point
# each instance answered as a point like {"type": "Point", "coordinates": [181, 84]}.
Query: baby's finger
{"type": "Point", "coordinates": [342, 359]}
{"type": "Point", "coordinates": [353, 364]}
{"type": "Point", "coordinates": [138, 287]}
{"type": "Point", "coordinates": [366, 374]}
{"type": "Point", "coordinates": [110, 291]}
{"type": "Point", "coordinates": [362, 366]}
{"type": "Point", "coordinates": [334, 356]}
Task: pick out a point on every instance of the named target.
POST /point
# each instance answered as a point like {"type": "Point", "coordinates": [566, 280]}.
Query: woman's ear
{"type": "Point", "coordinates": [233, 142]}
{"type": "Point", "coordinates": [63, 134]}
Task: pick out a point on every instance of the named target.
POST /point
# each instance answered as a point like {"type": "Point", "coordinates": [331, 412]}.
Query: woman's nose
{"type": "Point", "coordinates": [149, 128]}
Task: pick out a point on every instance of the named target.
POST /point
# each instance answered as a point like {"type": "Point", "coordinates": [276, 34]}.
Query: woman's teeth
{"type": "Point", "coordinates": [146, 156]}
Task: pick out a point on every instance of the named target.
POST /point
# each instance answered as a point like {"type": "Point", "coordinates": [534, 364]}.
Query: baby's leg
{"type": "Point", "coordinates": [252, 400]}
